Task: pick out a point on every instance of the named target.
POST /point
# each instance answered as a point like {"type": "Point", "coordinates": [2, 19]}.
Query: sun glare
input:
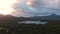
{"type": "Point", "coordinates": [29, 3]}
{"type": "Point", "coordinates": [6, 6]}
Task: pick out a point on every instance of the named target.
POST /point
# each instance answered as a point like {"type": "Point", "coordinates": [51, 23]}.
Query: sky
{"type": "Point", "coordinates": [35, 7]}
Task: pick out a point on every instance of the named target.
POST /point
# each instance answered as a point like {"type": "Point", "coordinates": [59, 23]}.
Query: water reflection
{"type": "Point", "coordinates": [33, 22]}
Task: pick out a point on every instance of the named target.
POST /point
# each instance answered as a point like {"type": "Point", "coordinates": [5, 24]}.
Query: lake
{"type": "Point", "coordinates": [33, 22]}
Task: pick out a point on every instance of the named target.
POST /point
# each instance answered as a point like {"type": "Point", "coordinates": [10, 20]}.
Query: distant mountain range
{"type": "Point", "coordinates": [37, 18]}
{"type": "Point", "coordinates": [50, 17]}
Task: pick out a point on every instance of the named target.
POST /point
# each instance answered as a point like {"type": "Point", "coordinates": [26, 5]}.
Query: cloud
{"type": "Point", "coordinates": [21, 9]}
{"type": "Point", "coordinates": [38, 7]}
{"type": "Point", "coordinates": [45, 3]}
{"type": "Point", "coordinates": [46, 6]}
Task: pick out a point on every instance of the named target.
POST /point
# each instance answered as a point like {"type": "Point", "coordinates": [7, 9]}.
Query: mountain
{"type": "Point", "coordinates": [9, 18]}
{"type": "Point", "coordinates": [50, 17]}
{"type": "Point", "coordinates": [53, 17]}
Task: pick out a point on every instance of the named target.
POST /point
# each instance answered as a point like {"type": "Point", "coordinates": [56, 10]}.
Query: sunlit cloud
{"type": "Point", "coordinates": [6, 6]}
{"type": "Point", "coordinates": [29, 3]}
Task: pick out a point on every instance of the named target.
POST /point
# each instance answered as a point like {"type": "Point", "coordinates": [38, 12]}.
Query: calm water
{"type": "Point", "coordinates": [33, 22]}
